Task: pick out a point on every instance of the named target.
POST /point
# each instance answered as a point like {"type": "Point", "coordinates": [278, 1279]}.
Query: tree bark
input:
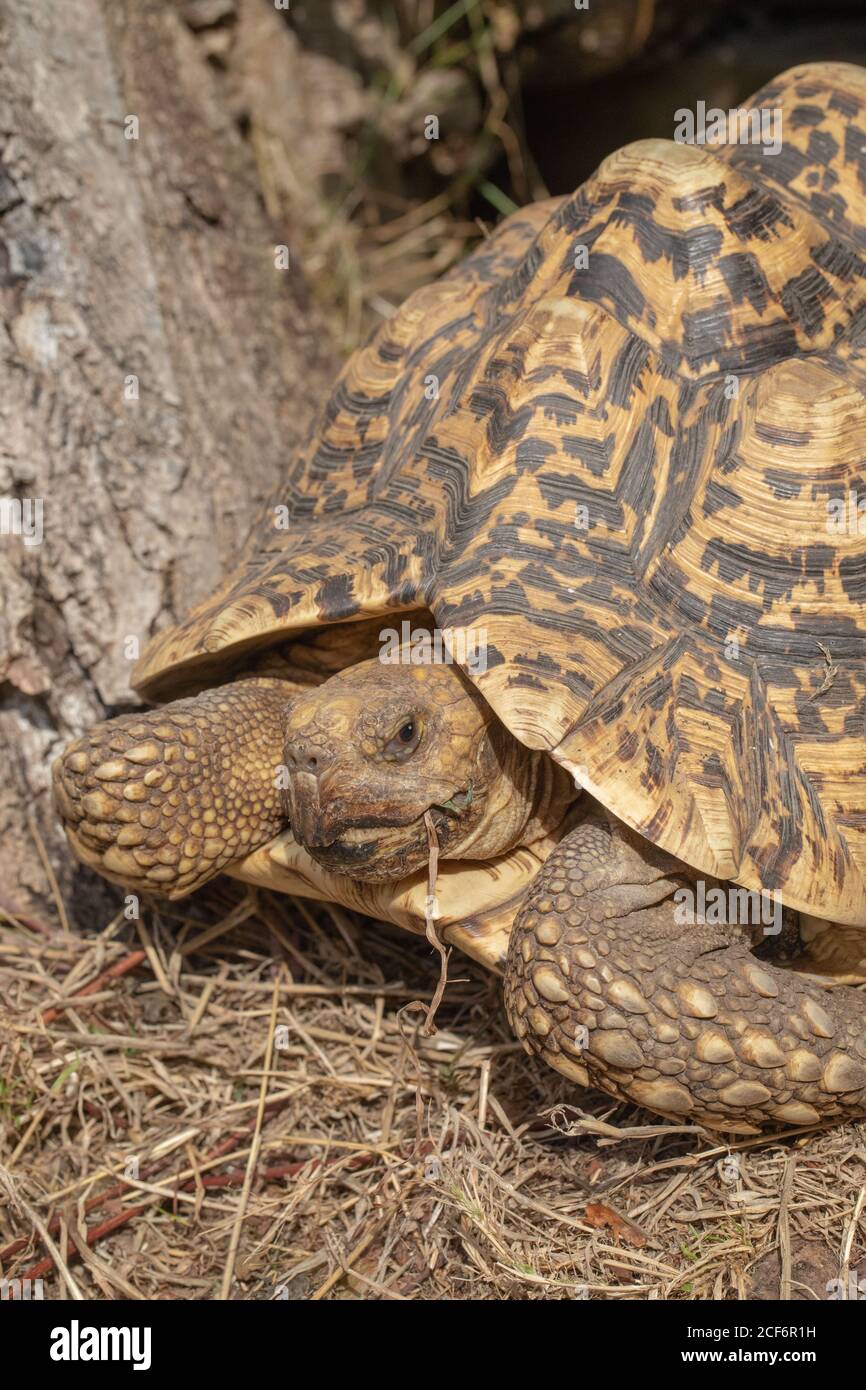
{"type": "Point", "coordinates": [157, 368]}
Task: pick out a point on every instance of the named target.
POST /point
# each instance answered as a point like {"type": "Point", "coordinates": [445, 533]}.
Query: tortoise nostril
{"type": "Point", "coordinates": [302, 757]}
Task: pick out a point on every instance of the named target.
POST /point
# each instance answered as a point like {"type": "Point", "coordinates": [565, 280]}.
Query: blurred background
{"type": "Point", "coordinates": [530, 95]}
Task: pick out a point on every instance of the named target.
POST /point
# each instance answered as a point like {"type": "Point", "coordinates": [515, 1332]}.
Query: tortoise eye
{"type": "Point", "coordinates": [406, 739]}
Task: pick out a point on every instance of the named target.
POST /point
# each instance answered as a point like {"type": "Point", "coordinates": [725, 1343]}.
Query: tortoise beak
{"type": "Point", "coordinates": [308, 763]}
{"type": "Point", "coordinates": [310, 822]}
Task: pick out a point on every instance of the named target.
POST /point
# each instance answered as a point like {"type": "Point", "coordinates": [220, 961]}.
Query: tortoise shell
{"type": "Point", "coordinates": [624, 441]}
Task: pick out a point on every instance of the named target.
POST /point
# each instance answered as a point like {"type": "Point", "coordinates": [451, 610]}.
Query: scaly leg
{"type": "Point", "coordinates": [162, 801]}
{"type": "Point", "coordinates": [610, 989]}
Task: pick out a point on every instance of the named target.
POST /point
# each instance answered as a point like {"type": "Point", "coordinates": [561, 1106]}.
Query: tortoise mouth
{"type": "Point", "coordinates": [380, 850]}
{"type": "Point", "coordinates": [363, 831]}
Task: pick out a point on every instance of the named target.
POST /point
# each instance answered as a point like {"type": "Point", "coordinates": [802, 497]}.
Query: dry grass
{"type": "Point", "coordinates": [242, 1104]}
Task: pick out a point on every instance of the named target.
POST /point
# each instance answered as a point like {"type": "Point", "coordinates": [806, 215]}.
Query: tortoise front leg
{"type": "Point", "coordinates": [611, 990]}
{"type": "Point", "coordinates": [162, 801]}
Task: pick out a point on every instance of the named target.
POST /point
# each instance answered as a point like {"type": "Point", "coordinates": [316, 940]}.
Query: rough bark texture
{"type": "Point", "coordinates": [148, 258]}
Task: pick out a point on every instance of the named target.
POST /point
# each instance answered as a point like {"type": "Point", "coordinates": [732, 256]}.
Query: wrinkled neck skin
{"type": "Point", "coordinates": [524, 796]}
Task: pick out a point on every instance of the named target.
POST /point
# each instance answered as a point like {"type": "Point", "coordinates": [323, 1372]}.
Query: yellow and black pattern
{"type": "Point", "coordinates": [625, 442]}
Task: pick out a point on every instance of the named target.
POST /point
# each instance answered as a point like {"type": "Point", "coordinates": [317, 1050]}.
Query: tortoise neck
{"type": "Point", "coordinates": [526, 795]}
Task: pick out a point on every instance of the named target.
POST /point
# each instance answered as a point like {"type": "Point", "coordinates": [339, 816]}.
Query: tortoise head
{"type": "Point", "coordinates": [376, 747]}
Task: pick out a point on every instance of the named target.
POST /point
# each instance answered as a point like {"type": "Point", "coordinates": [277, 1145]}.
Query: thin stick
{"type": "Point", "coordinates": [784, 1227]}
{"type": "Point", "coordinates": [430, 923]}
{"type": "Point", "coordinates": [228, 1272]}
{"type": "Point", "coordinates": [223, 1152]}
{"type": "Point", "coordinates": [55, 1258]}
{"type": "Point", "coordinates": [483, 1092]}
{"type": "Point", "coordinates": [49, 874]}
{"type": "Point", "coordinates": [350, 1259]}
{"type": "Point", "coordinates": [849, 1241]}
{"type": "Point", "coordinates": [121, 967]}
{"type": "Point", "coordinates": [19, 920]}
{"type": "Point", "coordinates": [113, 1223]}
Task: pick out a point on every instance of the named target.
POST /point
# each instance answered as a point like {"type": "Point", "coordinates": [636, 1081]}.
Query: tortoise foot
{"type": "Point", "coordinates": [607, 983]}
{"type": "Point", "coordinates": [163, 800]}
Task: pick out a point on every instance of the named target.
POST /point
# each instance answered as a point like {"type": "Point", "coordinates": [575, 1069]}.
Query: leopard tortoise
{"type": "Point", "coordinates": [573, 585]}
